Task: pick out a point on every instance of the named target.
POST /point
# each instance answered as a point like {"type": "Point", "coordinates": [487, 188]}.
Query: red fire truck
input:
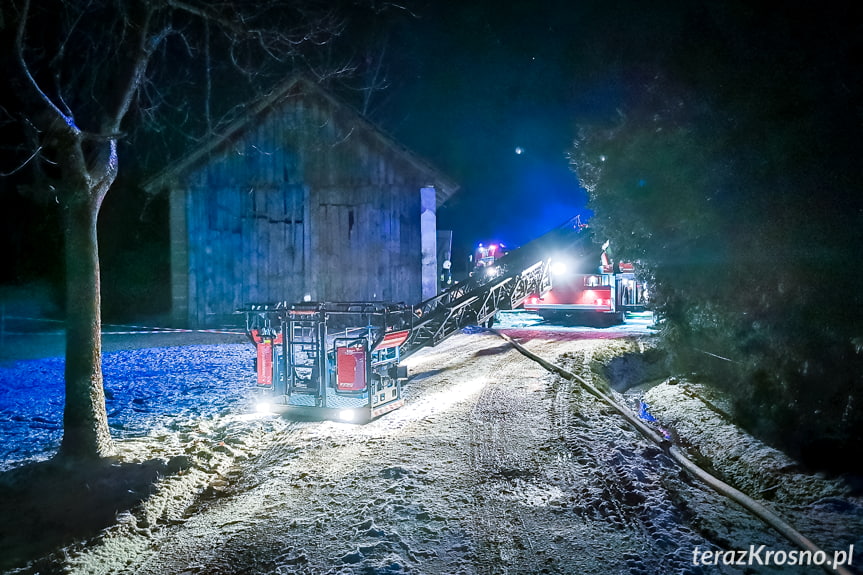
{"type": "Point", "coordinates": [585, 292]}
{"type": "Point", "coordinates": [486, 255]}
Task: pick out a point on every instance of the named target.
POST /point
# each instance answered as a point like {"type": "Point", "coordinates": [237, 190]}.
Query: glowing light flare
{"type": "Point", "coordinates": [264, 408]}
{"type": "Point", "coordinates": [348, 415]}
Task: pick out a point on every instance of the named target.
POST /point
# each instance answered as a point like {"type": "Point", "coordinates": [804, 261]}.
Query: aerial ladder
{"type": "Point", "coordinates": [342, 360]}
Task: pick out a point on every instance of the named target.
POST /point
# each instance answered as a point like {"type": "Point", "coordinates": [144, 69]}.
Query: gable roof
{"type": "Point", "coordinates": [299, 84]}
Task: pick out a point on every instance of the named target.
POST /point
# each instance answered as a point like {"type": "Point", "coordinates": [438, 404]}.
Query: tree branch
{"type": "Point", "coordinates": [56, 63]}
{"type": "Point", "coordinates": [23, 164]}
{"type": "Point", "coordinates": [144, 49]}
{"type": "Point", "coordinates": [206, 15]}
{"type": "Point", "coordinates": [67, 119]}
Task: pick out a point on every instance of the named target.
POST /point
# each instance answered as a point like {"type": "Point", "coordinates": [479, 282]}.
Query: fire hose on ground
{"type": "Point", "coordinates": [748, 503]}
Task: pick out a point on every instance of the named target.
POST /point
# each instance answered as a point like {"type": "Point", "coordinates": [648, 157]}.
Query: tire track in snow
{"type": "Point", "coordinates": [510, 435]}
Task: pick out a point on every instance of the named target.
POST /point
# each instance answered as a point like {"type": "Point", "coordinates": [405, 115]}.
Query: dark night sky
{"type": "Point", "coordinates": [481, 80]}
{"type": "Point", "coordinates": [473, 81]}
{"type": "Point", "coordinates": [477, 80]}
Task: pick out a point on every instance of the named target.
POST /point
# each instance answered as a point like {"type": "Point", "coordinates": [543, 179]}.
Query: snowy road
{"type": "Point", "coordinates": [493, 466]}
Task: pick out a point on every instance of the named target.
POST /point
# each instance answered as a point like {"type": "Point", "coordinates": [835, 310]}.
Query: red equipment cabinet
{"type": "Point", "coordinates": [264, 344]}
{"type": "Point", "coordinates": [351, 367]}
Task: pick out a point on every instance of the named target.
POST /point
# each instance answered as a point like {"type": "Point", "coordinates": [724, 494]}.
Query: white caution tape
{"type": "Point", "coordinates": [166, 331]}
{"type": "Point", "coordinates": [132, 329]}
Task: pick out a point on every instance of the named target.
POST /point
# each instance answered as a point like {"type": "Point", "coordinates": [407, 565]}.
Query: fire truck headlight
{"type": "Point", "coordinates": [348, 415]}
{"type": "Point", "coordinates": [264, 407]}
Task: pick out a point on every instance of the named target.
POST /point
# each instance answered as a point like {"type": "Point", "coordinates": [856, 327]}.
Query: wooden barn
{"type": "Point", "coordinates": [301, 199]}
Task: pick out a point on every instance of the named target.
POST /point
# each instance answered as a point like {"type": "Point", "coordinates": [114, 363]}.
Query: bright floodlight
{"type": "Point", "coordinates": [347, 415]}
{"type": "Point", "coordinates": [558, 268]}
{"type": "Point", "coordinates": [264, 407]}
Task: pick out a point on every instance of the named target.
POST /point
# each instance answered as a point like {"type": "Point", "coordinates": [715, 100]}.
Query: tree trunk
{"type": "Point", "coordinates": [85, 420]}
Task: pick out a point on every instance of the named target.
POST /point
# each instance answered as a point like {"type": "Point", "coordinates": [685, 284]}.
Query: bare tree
{"type": "Point", "coordinates": [85, 71]}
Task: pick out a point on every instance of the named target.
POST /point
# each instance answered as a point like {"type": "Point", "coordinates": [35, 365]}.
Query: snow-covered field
{"type": "Point", "coordinates": [156, 380]}
{"type": "Point", "coordinates": [146, 389]}
{"type": "Point", "coordinates": [493, 466]}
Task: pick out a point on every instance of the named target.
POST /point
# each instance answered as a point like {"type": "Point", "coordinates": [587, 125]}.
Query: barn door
{"type": "Point", "coordinates": [275, 241]}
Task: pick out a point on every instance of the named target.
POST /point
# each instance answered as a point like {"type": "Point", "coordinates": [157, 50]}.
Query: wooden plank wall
{"type": "Point", "coordinates": [364, 216]}
{"type": "Point", "coordinates": [302, 204]}
{"type": "Point", "coordinates": [245, 229]}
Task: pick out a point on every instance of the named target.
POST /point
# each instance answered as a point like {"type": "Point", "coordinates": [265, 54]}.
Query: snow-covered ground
{"type": "Point", "coordinates": [493, 466]}
{"type": "Point", "coordinates": [165, 383]}
{"type": "Point", "coordinates": [146, 389]}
